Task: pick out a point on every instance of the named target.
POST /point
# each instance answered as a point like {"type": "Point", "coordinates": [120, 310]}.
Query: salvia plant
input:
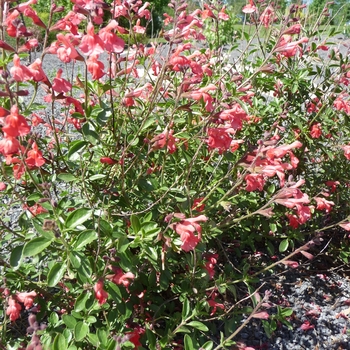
{"type": "Point", "coordinates": [147, 188]}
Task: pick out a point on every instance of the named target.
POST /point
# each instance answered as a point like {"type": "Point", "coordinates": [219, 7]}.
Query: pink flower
{"type": "Point", "coordinates": [267, 17]}
{"type": "Point", "coordinates": [35, 157]}
{"type": "Point", "coordinates": [254, 182]}
{"type": "Point", "coordinates": [91, 43]}
{"type": "Point", "coordinates": [333, 185]}
{"type": "Point", "coordinates": [323, 204]}
{"type": "Point", "coordinates": [15, 124]}
{"type": "Point", "coordinates": [211, 260]}
{"type": "Point", "coordinates": [165, 139]}
{"type": "Point", "coordinates": [13, 309]}
{"type": "Point", "coordinates": [26, 298]}
{"type": "Point", "coordinates": [249, 8]}
{"type": "Point", "coordinates": [307, 326]}
{"type": "Point", "coordinates": [95, 67]}
{"type": "Point", "coordinates": [3, 186]}
{"type": "Point", "coordinates": [315, 130]}
{"type": "Point", "coordinates": [100, 294]}
{"type": "Point", "coordinates": [346, 150]}
{"type": "Point", "coordinates": [263, 315]}
{"type": "Point", "coordinates": [111, 41]}
{"type": "Point", "coordinates": [219, 138]}
{"type": "Point", "coordinates": [60, 84]}
{"type": "Point", "coordinates": [345, 226]}
{"type": "Point", "coordinates": [290, 263]}
{"type": "Point", "coordinates": [186, 229]}
{"type": "Point", "coordinates": [120, 277]}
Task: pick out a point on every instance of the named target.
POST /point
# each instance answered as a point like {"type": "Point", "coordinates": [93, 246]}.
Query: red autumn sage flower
{"type": "Point", "coordinates": [315, 131]}
{"type": "Point", "coordinates": [13, 309]}
{"type": "Point", "coordinates": [186, 229]}
{"type": "Point", "coordinates": [35, 157]}
{"type": "Point", "coordinates": [100, 294]}
{"type": "Point", "coordinates": [211, 260]}
{"type": "Point", "coordinates": [323, 204]}
{"type": "Point", "coordinates": [120, 277]}
{"type": "Point", "coordinates": [306, 326]}
{"type": "Point", "coordinates": [249, 8]}
{"type": "Point", "coordinates": [26, 298]}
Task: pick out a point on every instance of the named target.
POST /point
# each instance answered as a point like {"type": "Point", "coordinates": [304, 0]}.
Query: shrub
{"type": "Point", "coordinates": [147, 184]}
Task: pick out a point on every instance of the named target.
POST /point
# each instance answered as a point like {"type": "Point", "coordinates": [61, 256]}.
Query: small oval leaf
{"type": "Point", "coordinates": [56, 273]}
{"type": "Point", "coordinates": [35, 246]}
{"type": "Point", "coordinates": [16, 256]}
{"type": "Point", "coordinates": [283, 246]}
{"type": "Point", "coordinates": [78, 217]}
{"type": "Point", "coordinates": [69, 321]}
{"type": "Point", "coordinates": [198, 325]}
{"type": "Point", "coordinates": [59, 343]}
{"type": "Point", "coordinates": [85, 238]}
{"type": "Point", "coordinates": [81, 329]}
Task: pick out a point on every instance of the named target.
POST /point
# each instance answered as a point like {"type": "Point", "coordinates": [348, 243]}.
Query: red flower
{"type": "Point", "coordinates": [9, 145]}
{"type": "Point", "coordinates": [100, 294]}
{"type": "Point", "coordinates": [267, 17]}
{"type": "Point", "coordinates": [35, 157]}
{"type": "Point", "coordinates": [220, 139]}
{"type": "Point", "coordinates": [186, 229]}
{"type": "Point", "coordinates": [2, 186]}
{"type": "Point", "coordinates": [91, 43]}
{"type": "Point", "coordinates": [315, 131]}
{"type": "Point", "coordinates": [15, 124]}
{"type": "Point", "coordinates": [249, 8]}
{"type": "Point", "coordinates": [323, 204]}
{"type": "Point", "coordinates": [59, 84]}
{"type": "Point", "coordinates": [107, 160]}
{"type": "Point", "coordinates": [111, 41]}
{"type": "Point", "coordinates": [26, 298]}
{"type": "Point", "coordinates": [198, 205]}
{"type": "Point", "coordinates": [122, 278]}
{"type": "Point", "coordinates": [13, 309]}
{"type": "Point", "coordinates": [210, 263]}
{"type": "Point", "coordinates": [307, 326]}
{"type": "Point", "coordinates": [167, 139]}
{"type": "Point", "coordinates": [254, 182]}
{"type": "Point", "coordinates": [134, 336]}
{"type": "Point", "coordinates": [95, 67]}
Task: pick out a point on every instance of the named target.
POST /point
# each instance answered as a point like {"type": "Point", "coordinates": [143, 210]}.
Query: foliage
{"type": "Point", "coordinates": [140, 190]}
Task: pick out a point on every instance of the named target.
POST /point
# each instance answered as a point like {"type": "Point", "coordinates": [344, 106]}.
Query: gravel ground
{"type": "Point", "coordinates": [320, 298]}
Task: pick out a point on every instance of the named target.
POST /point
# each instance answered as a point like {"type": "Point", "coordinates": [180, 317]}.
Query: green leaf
{"type": "Point", "coordinates": [90, 134]}
{"type": "Point", "coordinates": [286, 312]}
{"type": "Point", "coordinates": [35, 246]}
{"type": "Point", "coordinates": [66, 177]}
{"type": "Point", "coordinates": [93, 339]}
{"type": "Point", "coordinates": [152, 340]}
{"type": "Point", "coordinates": [78, 217]}
{"type": "Point", "coordinates": [102, 336]}
{"type": "Point", "coordinates": [186, 309]}
{"type": "Point", "coordinates": [135, 223]}
{"type": "Point", "coordinates": [283, 245]}
{"type": "Point", "coordinates": [75, 147]}
{"type": "Point", "coordinates": [85, 238]}
{"type": "Point", "coordinates": [59, 343]}
{"type": "Point", "coordinates": [56, 273]}
{"type": "Point", "coordinates": [198, 325]}
{"type": "Point", "coordinates": [69, 321]}
{"type": "Point", "coordinates": [81, 301]}
{"type": "Point", "coordinates": [188, 342]}
{"type": "Point", "coordinates": [183, 329]}
{"type": "Point", "coordinates": [97, 177]}
{"type": "Point", "coordinates": [80, 331]}
{"type": "Point", "coordinates": [16, 256]}
{"type": "Point", "coordinates": [208, 345]}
